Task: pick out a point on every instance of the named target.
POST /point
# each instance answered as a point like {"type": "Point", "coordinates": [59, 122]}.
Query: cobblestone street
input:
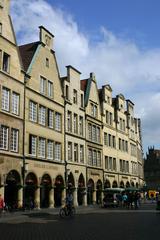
{"type": "Point", "coordinates": [89, 223]}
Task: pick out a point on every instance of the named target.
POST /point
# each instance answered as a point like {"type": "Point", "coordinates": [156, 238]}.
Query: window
{"type": "Point", "coordinates": [15, 103]}
{"type": "Point", "coordinates": [90, 131]}
{"type": "Point", "coordinates": [114, 141]}
{"type": "Point", "coordinates": [5, 98]}
{"type": "Point", "coordinates": [57, 121]}
{"type": "Point", "coordinates": [50, 118]}
{"type": "Point", "coordinates": [114, 164]}
{"type": "Point", "coordinates": [107, 117]}
{"type": "Point", "coordinates": [94, 110]}
{"type": "Point", "coordinates": [50, 149]}
{"type": "Point", "coordinates": [67, 92]}
{"type": "Point", "coordinates": [69, 121]}
{"type": "Point", "coordinates": [81, 153]}
{"type": "Point", "coordinates": [99, 159]}
{"type": "Point", "coordinates": [76, 152]}
{"type": "Point", "coordinates": [14, 140]}
{"type": "Point", "coordinates": [120, 163]}
{"type": "Point", "coordinates": [94, 158]}
{"type": "Point", "coordinates": [110, 163]}
{"type": "Point", "coordinates": [111, 118]}
{"type": "Point", "coordinates": [4, 137]}
{"type": "Point", "coordinates": [6, 62]}
{"type": "Point", "coordinates": [42, 115]}
{"type": "Point", "coordinates": [75, 96]}
{"type": "Point", "coordinates": [42, 85]}
{"type": "Point", "coordinates": [75, 123]}
{"type": "Point", "coordinates": [0, 28]}
{"type": "Point", "coordinates": [109, 140]}
{"type": "Point", "coordinates": [98, 135]}
{"type": "Point", "coordinates": [81, 126]}
{"type": "Point", "coordinates": [106, 162]}
{"type": "Point", "coordinates": [42, 147]}
{"type": "Point", "coordinates": [33, 111]}
{"type": "Point", "coordinates": [57, 151]}
{"type": "Point", "coordinates": [90, 156]}
{"type": "Point", "coordinates": [47, 62]}
{"type": "Point", "coordinates": [50, 89]}
{"type": "Point", "coordinates": [69, 151]}
{"type": "Point", "coordinates": [119, 143]}
{"type": "Point", "coordinates": [82, 100]}
{"type": "Point", "coordinates": [105, 139]}
{"type": "Point", "coordinates": [32, 145]}
{"type": "Point", "coordinates": [94, 134]}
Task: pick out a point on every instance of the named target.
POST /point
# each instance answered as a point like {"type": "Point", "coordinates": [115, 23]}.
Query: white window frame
{"type": "Point", "coordinates": [4, 133]}
{"type": "Point", "coordinates": [58, 120]}
{"type": "Point", "coordinates": [14, 140]}
{"type": "Point", "coordinates": [50, 150]}
{"type": "Point", "coordinates": [15, 103]}
{"type": "Point", "coordinates": [57, 151]}
{"type": "Point", "coordinates": [5, 99]}
{"type": "Point", "coordinates": [50, 89]}
{"type": "Point", "coordinates": [42, 115]}
{"type": "Point", "coordinates": [42, 147]}
{"type": "Point", "coordinates": [43, 85]}
{"type": "Point", "coordinates": [32, 111]}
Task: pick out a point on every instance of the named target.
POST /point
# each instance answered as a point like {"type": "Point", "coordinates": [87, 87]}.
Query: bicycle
{"type": "Point", "coordinates": [67, 211]}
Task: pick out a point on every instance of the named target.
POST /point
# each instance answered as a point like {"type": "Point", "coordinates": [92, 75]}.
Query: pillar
{"type": "Point", "coordinates": [20, 197]}
{"type": "Point", "coordinates": [85, 199]}
{"type": "Point", "coordinates": [94, 196]}
{"type": "Point", "coordinates": [51, 198]}
{"type": "Point", "coordinates": [75, 202]}
{"type": "Point", "coordinates": [37, 197]}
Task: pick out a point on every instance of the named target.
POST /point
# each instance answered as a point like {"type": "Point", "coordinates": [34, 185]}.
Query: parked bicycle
{"type": "Point", "coordinates": [67, 211]}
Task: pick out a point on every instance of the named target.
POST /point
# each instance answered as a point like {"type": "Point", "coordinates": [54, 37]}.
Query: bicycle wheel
{"type": "Point", "coordinates": [72, 212]}
{"type": "Point", "coordinates": [62, 213]}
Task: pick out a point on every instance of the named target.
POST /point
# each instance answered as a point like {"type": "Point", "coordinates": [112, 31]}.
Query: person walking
{"type": "Point", "coordinates": [1, 205]}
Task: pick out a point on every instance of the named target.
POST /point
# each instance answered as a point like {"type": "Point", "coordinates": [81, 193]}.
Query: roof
{"type": "Point", "coordinates": [27, 52]}
{"type": "Point", "coordinates": [84, 84]}
{"type": "Point", "coordinates": [100, 92]}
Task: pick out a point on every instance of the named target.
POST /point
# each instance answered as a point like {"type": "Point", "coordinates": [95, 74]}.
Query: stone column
{"type": "Point", "coordinates": [75, 202]}
{"type": "Point", "coordinates": [20, 197]}
{"type": "Point", "coordinates": [85, 199]}
{"type": "Point", "coordinates": [51, 198]}
{"type": "Point", "coordinates": [2, 191]}
{"type": "Point", "coordinates": [94, 197]}
{"type": "Point", "coordinates": [37, 197]}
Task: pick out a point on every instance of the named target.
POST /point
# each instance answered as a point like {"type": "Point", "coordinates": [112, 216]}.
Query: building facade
{"type": "Point", "coordinates": [11, 110]}
{"type": "Point", "coordinates": [94, 147]}
{"type": "Point", "coordinates": [60, 133]}
{"type": "Point", "coordinates": [152, 169]}
{"type": "Point", "coordinates": [75, 135]}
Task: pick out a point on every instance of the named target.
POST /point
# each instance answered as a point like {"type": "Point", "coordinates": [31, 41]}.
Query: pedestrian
{"type": "Point", "coordinates": [1, 205]}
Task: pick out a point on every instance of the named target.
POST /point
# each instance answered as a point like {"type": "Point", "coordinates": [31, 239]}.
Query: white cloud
{"type": "Point", "coordinates": [120, 62]}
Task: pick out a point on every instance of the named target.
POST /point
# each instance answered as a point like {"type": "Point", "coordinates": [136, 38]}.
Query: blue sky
{"type": "Point", "coordinates": [118, 40]}
{"type": "Point", "coordinates": [134, 19]}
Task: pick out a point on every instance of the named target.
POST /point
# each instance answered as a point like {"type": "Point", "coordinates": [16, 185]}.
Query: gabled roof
{"type": "Point", "coordinates": [27, 52]}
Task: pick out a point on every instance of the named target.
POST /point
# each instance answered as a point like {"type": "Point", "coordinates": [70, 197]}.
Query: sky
{"type": "Point", "coordinates": [118, 40]}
